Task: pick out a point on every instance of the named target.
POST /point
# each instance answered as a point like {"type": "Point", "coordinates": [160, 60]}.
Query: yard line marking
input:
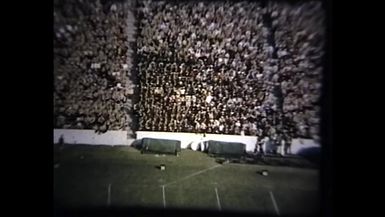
{"type": "Point", "coordinates": [191, 175]}
{"type": "Point", "coordinates": [219, 203]}
{"type": "Point", "coordinates": [109, 195]}
{"type": "Point", "coordinates": [274, 203]}
{"type": "Point", "coordinates": [164, 197]}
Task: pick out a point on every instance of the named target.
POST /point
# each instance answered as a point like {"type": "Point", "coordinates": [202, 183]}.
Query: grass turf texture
{"type": "Point", "coordinates": [136, 181]}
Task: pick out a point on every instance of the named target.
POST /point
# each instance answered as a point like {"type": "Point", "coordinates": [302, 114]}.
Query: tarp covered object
{"type": "Point", "coordinates": [161, 146]}
{"type": "Point", "coordinates": [226, 148]}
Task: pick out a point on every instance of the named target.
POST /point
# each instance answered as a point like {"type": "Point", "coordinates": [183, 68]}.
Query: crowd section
{"type": "Point", "coordinates": [91, 65]}
{"type": "Point", "coordinates": [226, 67]}
{"type": "Point", "coordinates": [249, 68]}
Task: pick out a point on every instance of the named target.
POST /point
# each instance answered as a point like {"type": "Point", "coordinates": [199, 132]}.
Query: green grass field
{"type": "Point", "coordinates": [122, 177]}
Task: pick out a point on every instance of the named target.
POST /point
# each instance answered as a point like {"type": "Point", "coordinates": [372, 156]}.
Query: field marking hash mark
{"type": "Point", "coordinates": [274, 202]}
{"type": "Point", "coordinates": [164, 197]}
{"type": "Point", "coordinates": [109, 195]}
{"type": "Point", "coordinates": [218, 201]}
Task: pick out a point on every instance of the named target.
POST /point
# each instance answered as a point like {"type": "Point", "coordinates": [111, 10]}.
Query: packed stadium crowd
{"type": "Point", "coordinates": [229, 67]}
{"type": "Point", "coordinates": [91, 65]}
{"type": "Point", "coordinates": [246, 68]}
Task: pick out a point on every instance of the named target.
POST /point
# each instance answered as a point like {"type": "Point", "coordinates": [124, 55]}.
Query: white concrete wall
{"type": "Point", "coordinates": [187, 138]}
{"type": "Point", "coordinates": [91, 138]}
{"type": "Point", "coordinates": [120, 138]}
{"type": "Point", "coordinates": [299, 144]}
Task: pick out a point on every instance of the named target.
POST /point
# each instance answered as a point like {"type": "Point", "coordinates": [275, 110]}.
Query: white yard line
{"type": "Point", "coordinates": [191, 175]}
{"type": "Point", "coordinates": [274, 202]}
{"type": "Point", "coordinates": [164, 197]}
{"type": "Point", "coordinates": [218, 201]}
{"type": "Point", "coordinates": [109, 195]}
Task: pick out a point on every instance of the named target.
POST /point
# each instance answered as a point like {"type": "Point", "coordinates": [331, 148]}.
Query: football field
{"type": "Point", "coordinates": [104, 176]}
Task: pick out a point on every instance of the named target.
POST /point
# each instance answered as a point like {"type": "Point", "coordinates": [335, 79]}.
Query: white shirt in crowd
{"type": "Point", "coordinates": [209, 98]}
